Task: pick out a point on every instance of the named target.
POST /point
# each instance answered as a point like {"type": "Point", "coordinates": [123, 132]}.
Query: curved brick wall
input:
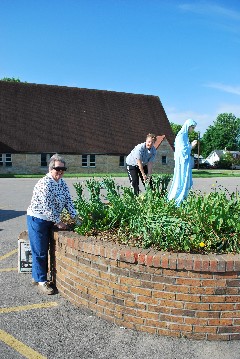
{"type": "Point", "coordinates": [174, 294]}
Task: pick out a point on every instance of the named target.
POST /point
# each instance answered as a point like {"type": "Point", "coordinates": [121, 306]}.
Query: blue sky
{"type": "Point", "coordinates": [185, 52]}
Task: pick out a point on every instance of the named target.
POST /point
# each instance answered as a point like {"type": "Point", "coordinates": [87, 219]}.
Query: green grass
{"type": "Point", "coordinates": [215, 173]}
{"type": "Point", "coordinates": [66, 175]}
{"type": "Point", "coordinates": [196, 174]}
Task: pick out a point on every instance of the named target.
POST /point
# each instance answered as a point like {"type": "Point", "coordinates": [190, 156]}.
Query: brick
{"type": "Point", "coordinates": [156, 259]}
{"type": "Point", "coordinates": [232, 298]}
{"type": "Point", "coordinates": [213, 265]}
{"type": "Point", "coordinates": [237, 265]}
{"type": "Point", "coordinates": [233, 282]}
{"type": "Point", "coordinates": [142, 256]}
{"type": "Point", "coordinates": [133, 319]}
{"type": "Point", "coordinates": [177, 288]}
{"type": "Point", "coordinates": [171, 303]}
{"type": "Point", "coordinates": [213, 298]}
{"type": "Point", "coordinates": [196, 321]}
{"type": "Point", "coordinates": [204, 329]}
{"type": "Point", "coordinates": [158, 309]}
{"type": "Point", "coordinates": [188, 282]}
{"type": "Point", "coordinates": [172, 261]}
{"type": "Point", "coordinates": [220, 321]}
{"type": "Point", "coordinates": [195, 336]}
{"type": "Point", "coordinates": [181, 261]}
{"type": "Point", "coordinates": [183, 312]}
{"type": "Point", "coordinates": [149, 258]}
{"type": "Point", "coordinates": [197, 263]}
{"type": "Point", "coordinates": [197, 306]}
{"type": "Point", "coordinates": [161, 279]}
{"type": "Point", "coordinates": [141, 291]}
{"type": "Point", "coordinates": [181, 327]}
{"type": "Point", "coordinates": [144, 328]}
{"type": "Point", "coordinates": [163, 295]}
{"type": "Point", "coordinates": [187, 297]}
{"type": "Point", "coordinates": [201, 290]}
{"type": "Point", "coordinates": [132, 303]}
{"type": "Point", "coordinates": [208, 314]}
{"type": "Point", "coordinates": [168, 332]}
{"type": "Point", "coordinates": [146, 300]}
{"type": "Point", "coordinates": [222, 306]}
{"type": "Point", "coordinates": [234, 336]}
{"type": "Point", "coordinates": [229, 329]}
{"type": "Point", "coordinates": [164, 260]}
{"type": "Point", "coordinates": [130, 281]}
{"type": "Point", "coordinates": [189, 263]}
{"type": "Point", "coordinates": [230, 314]}
{"type": "Point", "coordinates": [156, 323]}
{"type": "Point", "coordinates": [147, 284]}
{"type": "Point", "coordinates": [147, 314]}
{"type": "Point", "coordinates": [222, 337]}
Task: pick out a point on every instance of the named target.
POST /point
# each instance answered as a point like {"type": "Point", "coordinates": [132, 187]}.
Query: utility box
{"type": "Point", "coordinates": [24, 253]}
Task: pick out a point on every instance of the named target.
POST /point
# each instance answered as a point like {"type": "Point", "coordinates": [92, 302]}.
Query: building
{"type": "Point", "coordinates": [93, 129]}
{"type": "Point", "coordinates": [216, 155]}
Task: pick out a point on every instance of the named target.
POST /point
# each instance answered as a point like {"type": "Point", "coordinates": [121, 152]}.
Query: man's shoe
{"type": "Point", "coordinates": [45, 288]}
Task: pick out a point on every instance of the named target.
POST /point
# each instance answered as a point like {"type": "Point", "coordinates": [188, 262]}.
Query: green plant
{"type": "Point", "coordinates": [202, 224]}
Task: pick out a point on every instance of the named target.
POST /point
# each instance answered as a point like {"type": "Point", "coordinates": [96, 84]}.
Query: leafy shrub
{"type": "Point", "coordinates": [203, 223]}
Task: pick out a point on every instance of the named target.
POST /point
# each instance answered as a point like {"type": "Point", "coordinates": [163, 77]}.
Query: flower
{"type": "Point", "coordinates": [201, 244]}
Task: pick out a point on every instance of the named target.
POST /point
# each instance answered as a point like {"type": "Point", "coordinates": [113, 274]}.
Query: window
{"type": "Point", "coordinates": [164, 160]}
{"type": "Point", "coordinates": [8, 159]}
{"type": "Point", "coordinates": [1, 159]}
{"type": "Point", "coordinates": [45, 157]}
{"type": "Point", "coordinates": [84, 161]}
{"type": "Point", "coordinates": [88, 161]}
{"type": "Point", "coordinates": [121, 161]}
{"type": "Point", "coordinates": [92, 162]}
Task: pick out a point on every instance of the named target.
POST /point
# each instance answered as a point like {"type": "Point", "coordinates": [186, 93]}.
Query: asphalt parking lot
{"type": "Point", "coordinates": [36, 326]}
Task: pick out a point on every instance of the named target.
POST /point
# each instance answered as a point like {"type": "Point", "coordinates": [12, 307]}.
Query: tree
{"type": "Point", "coordinates": [223, 134]}
{"type": "Point", "coordinates": [10, 79]}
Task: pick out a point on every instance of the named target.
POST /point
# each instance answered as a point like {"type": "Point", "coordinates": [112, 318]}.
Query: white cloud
{"type": "Point", "coordinates": [203, 120]}
{"type": "Point", "coordinates": [226, 88]}
{"type": "Point", "coordinates": [229, 108]}
{"type": "Point", "coordinates": [211, 9]}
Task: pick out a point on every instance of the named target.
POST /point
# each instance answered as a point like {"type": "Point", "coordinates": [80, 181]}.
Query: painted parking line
{"type": "Point", "coordinates": [28, 307]}
{"type": "Point", "coordinates": [19, 346]}
{"type": "Point", "coordinates": [8, 269]}
{"type": "Point", "coordinates": [14, 343]}
{"type": "Point", "coordinates": [8, 254]}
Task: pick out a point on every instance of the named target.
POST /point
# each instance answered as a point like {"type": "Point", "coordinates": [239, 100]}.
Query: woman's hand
{"type": "Point", "coordinates": [61, 225]}
{"type": "Point", "coordinates": [194, 143]}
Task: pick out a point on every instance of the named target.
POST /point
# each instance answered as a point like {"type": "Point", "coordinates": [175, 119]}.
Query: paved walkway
{"type": "Point", "coordinates": [36, 326]}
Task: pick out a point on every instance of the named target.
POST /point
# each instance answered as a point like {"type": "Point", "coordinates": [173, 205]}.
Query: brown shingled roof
{"type": "Point", "coordinates": [45, 118]}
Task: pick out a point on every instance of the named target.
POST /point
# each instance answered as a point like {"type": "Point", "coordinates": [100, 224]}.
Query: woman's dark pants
{"type": "Point", "coordinates": [39, 232]}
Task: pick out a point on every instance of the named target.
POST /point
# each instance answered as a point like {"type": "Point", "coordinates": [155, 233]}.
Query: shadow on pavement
{"type": "Point", "coordinates": [10, 214]}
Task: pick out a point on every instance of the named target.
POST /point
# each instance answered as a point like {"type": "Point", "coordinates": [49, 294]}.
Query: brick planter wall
{"type": "Point", "coordinates": [173, 294]}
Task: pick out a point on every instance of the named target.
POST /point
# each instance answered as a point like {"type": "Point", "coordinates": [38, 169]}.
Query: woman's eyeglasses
{"type": "Point", "coordinates": [58, 169]}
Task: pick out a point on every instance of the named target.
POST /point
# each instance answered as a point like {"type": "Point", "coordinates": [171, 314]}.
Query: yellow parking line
{"type": "Point", "coordinates": [7, 269]}
{"type": "Point", "coordinates": [8, 254]}
{"type": "Point", "coordinates": [28, 307]}
{"type": "Point", "coordinates": [19, 346]}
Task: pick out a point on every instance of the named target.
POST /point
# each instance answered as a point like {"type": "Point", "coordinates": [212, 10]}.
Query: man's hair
{"type": "Point", "coordinates": [151, 135]}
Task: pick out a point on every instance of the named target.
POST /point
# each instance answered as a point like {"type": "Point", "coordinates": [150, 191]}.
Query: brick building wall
{"type": "Point", "coordinates": [31, 163]}
{"type": "Point", "coordinates": [173, 294]}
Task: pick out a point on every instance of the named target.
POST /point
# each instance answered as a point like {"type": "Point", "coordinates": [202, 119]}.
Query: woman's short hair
{"type": "Point", "coordinates": [152, 136]}
{"type": "Point", "coordinates": [55, 157]}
